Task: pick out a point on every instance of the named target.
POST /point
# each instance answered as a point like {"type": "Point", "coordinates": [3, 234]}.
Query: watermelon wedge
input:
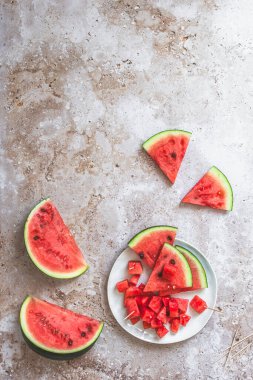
{"type": "Point", "coordinates": [212, 190]}
{"type": "Point", "coordinates": [50, 244]}
{"type": "Point", "coordinates": [55, 332]}
{"type": "Point", "coordinates": [181, 279]}
{"type": "Point", "coordinates": [167, 149]}
{"type": "Point", "coordinates": [148, 243]}
{"type": "Point", "coordinates": [199, 279]}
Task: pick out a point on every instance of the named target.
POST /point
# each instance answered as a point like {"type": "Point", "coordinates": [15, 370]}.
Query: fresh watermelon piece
{"type": "Point", "coordinates": [132, 307]}
{"type": "Point", "coordinates": [144, 300]}
{"type": "Point", "coordinates": [50, 244]}
{"type": "Point", "coordinates": [147, 315]}
{"type": "Point", "coordinates": [162, 315]}
{"type": "Point", "coordinates": [181, 279]}
{"type": "Point", "coordinates": [148, 243]}
{"type": "Point", "coordinates": [146, 325]}
{"type": "Point", "coordinates": [173, 308]}
{"type": "Point", "coordinates": [174, 325]}
{"type": "Point", "coordinates": [132, 291]}
{"type": "Point", "coordinates": [182, 304]}
{"type": "Point", "coordinates": [122, 286]}
{"type": "Point", "coordinates": [141, 287]}
{"type": "Point", "coordinates": [184, 319]}
{"type": "Point", "coordinates": [212, 190]}
{"type": "Point", "coordinates": [134, 267]}
{"type": "Point", "coordinates": [165, 301]}
{"type": "Point", "coordinates": [199, 279]}
{"type": "Point", "coordinates": [134, 279]}
{"type": "Point", "coordinates": [55, 332]}
{"type": "Point", "coordinates": [162, 331]}
{"type": "Point", "coordinates": [155, 304]}
{"type": "Point", "coordinates": [198, 304]}
{"type": "Point", "coordinates": [167, 149]}
{"type": "Point", "coordinates": [156, 323]}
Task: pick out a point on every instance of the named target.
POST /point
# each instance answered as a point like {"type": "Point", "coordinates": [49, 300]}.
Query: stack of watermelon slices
{"type": "Point", "coordinates": [174, 270]}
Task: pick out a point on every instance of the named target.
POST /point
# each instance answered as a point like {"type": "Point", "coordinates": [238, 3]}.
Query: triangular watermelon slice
{"type": "Point", "coordinates": [167, 149]}
{"type": "Point", "coordinates": [212, 190]}
{"type": "Point", "coordinates": [181, 279]}
{"type": "Point", "coordinates": [148, 243]}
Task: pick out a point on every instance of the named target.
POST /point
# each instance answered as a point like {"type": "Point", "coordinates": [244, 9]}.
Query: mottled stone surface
{"type": "Point", "coordinates": [84, 83]}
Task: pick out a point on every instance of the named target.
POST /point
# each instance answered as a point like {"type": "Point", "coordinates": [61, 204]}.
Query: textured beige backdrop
{"type": "Point", "coordinates": [84, 84]}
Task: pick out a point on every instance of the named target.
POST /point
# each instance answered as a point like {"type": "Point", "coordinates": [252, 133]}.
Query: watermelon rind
{"type": "Point", "coordinates": [142, 234]}
{"type": "Point", "coordinates": [51, 353]}
{"type": "Point", "coordinates": [226, 184]}
{"type": "Point", "coordinates": [201, 270]}
{"type": "Point", "coordinates": [47, 271]}
{"type": "Point", "coordinates": [153, 139]}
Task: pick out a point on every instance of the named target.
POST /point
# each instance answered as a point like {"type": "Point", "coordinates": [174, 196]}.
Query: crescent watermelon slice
{"type": "Point", "coordinates": [50, 244]}
{"type": "Point", "coordinates": [167, 149]}
{"type": "Point", "coordinates": [212, 190]}
{"type": "Point", "coordinates": [148, 243]}
{"type": "Point", "coordinates": [181, 279]}
{"type": "Point", "coordinates": [55, 332]}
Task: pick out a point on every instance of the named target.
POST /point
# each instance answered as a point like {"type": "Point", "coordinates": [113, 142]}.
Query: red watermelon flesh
{"type": "Point", "coordinates": [162, 331]}
{"type": "Point", "coordinates": [55, 329]}
{"type": "Point", "coordinates": [212, 190]}
{"type": "Point", "coordinates": [182, 278]}
{"type": "Point", "coordinates": [50, 244]}
{"type": "Point", "coordinates": [167, 149]}
{"type": "Point", "coordinates": [148, 243]}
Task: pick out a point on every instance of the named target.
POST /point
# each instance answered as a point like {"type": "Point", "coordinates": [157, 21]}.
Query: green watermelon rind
{"type": "Point", "coordinates": [201, 269]}
{"type": "Point", "coordinates": [226, 184]}
{"type": "Point", "coordinates": [51, 353]}
{"type": "Point", "coordinates": [144, 233]}
{"type": "Point", "coordinates": [46, 271]}
{"type": "Point", "coordinates": [158, 136]}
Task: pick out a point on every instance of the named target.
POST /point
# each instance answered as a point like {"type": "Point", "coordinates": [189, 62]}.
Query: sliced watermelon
{"type": "Point", "coordinates": [212, 190]}
{"type": "Point", "coordinates": [162, 331]}
{"type": "Point", "coordinates": [50, 244]}
{"type": "Point", "coordinates": [184, 319]}
{"type": "Point", "coordinates": [167, 149]}
{"type": "Point", "coordinates": [198, 304]}
{"type": "Point", "coordinates": [148, 243]}
{"type": "Point", "coordinates": [134, 267]}
{"type": "Point", "coordinates": [199, 279]}
{"type": "Point", "coordinates": [174, 325]}
{"type": "Point", "coordinates": [181, 279]}
{"type": "Point", "coordinates": [55, 332]}
{"type": "Point", "coordinates": [155, 304]}
{"type": "Point", "coordinates": [162, 315]}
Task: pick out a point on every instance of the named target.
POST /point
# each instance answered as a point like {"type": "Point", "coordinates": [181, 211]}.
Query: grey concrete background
{"type": "Point", "coordinates": [84, 83]}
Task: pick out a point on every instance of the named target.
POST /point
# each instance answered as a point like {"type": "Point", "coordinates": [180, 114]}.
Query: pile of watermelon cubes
{"type": "Point", "coordinates": [154, 311]}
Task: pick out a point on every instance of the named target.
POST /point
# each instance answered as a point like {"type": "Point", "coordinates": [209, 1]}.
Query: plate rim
{"type": "Point", "coordinates": [177, 242]}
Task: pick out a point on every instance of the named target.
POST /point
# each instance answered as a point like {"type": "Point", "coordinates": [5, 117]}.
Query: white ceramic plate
{"type": "Point", "coordinates": [197, 321]}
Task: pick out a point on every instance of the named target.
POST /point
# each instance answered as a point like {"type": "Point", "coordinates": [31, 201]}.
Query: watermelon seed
{"type": "Point", "coordinates": [70, 342]}
{"type": "Point", "coordinates": [169, 238]}
{"type": "Point", "coordinates": [174, 155]}
{"type": "Point", "coordinates": [141, 255]}
{"type": "Point", "coordinates": [83, 334]}
{"type": "Point", "coordinates": [35, 237]}
{"type": "Point", "coordinates": [160, 274]}
{"type": "Point", "coordinates": [43, 210]}
{"type": "Point", "coordinates": [172, 261]}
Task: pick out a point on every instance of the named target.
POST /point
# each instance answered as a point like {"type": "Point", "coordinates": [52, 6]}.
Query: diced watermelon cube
{"type": "Point", "coordinates": [122, 286]}
{"type": "Point", "coordinates": [134, 279]}
{"type": "Point", "coordinates": [146, 325]}
{"type": "Point", "coordinates": [134, 267]}
{"type": "Point", "coordinates": [165, 301]}
{"type": "Point", "coordinates": [141, 286]}
{"type": "Point", "coordinates": [184, 319]}
{"type": "Point", "coordinates": [174, 325]}
{"type": "Point", "coordinates": [147, 315]}
{"type": "Point", "coordinates": [173, 308]}
{"type": "Point", "coordinates": [162, 331]}
{"type": "Point", "coordinates": [169, 271]}
{"type": "Point", "coordinates": [132, 291]}
{"type": "Point", "coordinates": [156, 323]}
{"type": "Point", "coordinates": [144, 300]}
{"type": "Point", "coordinates": [182, 305]}
{"type": "Point", "coordinates": [134, 320]}
{"type": "Point", "coordinates": [132, 308]}
{"type": "Point", "coordinates": [155, 304]}
{"type": "Point", "coordinates": [162, 315]}
{"type": "Point", "coordinates": [198, 304]}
